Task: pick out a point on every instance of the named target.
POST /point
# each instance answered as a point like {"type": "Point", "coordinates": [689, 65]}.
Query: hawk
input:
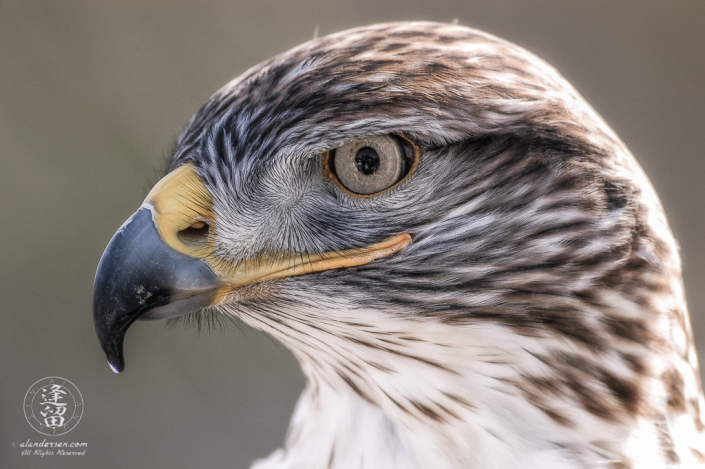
{"type": "Point", "coordinates": [470, 266]}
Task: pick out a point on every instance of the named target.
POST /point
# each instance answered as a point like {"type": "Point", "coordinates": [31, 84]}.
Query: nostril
{"type": "Point", "coordinates": [195, 235]}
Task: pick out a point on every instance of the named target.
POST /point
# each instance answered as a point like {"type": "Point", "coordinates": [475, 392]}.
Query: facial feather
{"type": "Point", "coordinates": [537, 314]}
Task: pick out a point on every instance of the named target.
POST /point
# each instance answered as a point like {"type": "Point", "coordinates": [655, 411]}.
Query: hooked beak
{"type": "Point", "coordinates": [139, 276]}
{"type": "Point", "coordinates": [161, 264]}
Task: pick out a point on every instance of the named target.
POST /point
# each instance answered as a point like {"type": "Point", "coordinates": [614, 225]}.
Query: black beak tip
{"type": "Point", "coordinates": [113, 352]}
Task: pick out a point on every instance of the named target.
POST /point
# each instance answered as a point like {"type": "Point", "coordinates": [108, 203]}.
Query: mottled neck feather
{"type": "Point", "coordinates": [411, 393]}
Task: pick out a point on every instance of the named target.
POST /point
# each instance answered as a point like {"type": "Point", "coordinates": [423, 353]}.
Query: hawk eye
{"type": "Point", "coordinates": [367, 166]}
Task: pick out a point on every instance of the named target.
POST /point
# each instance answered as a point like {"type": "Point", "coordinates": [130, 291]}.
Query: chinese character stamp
{"type": "Point", "coordinates": [53, 406]}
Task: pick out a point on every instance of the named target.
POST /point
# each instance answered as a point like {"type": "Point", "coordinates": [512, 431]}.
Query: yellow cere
{"type": "Point", "coordinates": [180, 200]}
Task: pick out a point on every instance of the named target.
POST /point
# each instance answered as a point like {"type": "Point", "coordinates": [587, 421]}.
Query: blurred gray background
{"type": "Point", "coordinates": [92, 95]}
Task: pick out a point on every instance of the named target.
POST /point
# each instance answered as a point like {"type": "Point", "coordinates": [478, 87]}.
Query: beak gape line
{"type": "Point", "coordinates": [148, 271]}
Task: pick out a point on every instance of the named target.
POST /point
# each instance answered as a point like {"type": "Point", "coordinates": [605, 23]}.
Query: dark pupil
{"type": "Point", "coordinates": [367, 160]}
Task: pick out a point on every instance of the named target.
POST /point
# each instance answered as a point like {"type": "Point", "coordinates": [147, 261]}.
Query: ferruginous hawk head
{"type": "Point", "coordinates": [468, 263]}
